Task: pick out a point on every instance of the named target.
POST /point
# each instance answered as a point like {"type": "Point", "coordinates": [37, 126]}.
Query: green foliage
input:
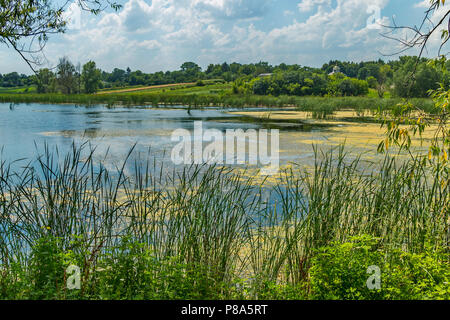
{"type": "Point", "coordinates": [302, 82]}
{"type": "Point", "coordinates": [385, 74]}
{"type": "Point", "coordinates": [206, 233]}
{"type": "Point", "coordinates": [372, 82]}
{"type": "Point", "coordinates": [200, 83]}
{"type": "Point", "coordinates": [90, 77]}
{"type": "Point", "coordinates": [418, 276]}
{"type": "Point", "coordinates": [290, 80]}
{"type": "Point", "coordinates": [45, 275]}
{"type": "Point", "coordinates": [415, 78]}
{"type": "Point", "coordinates": [45, 81]}
{"type": "Point", "coordinates": [340, 271]}
{"type": "Point", "coordinates": [410, 119]}
{"type": "Point", "coordinates": [47, 267]}
{"type": "Point", "coordinates": [132, 271]}
{"type": "Point", "coordinates": [66, 76]}
{"type": "Point", "coordinates": [350, 87]}
{"type": "Point", "coordinates": [14, 281]}
{"type": "Point", "coordinates": [14, 79]}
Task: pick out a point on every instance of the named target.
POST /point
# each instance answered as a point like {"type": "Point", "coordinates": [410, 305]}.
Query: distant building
{"type": "Point", "coordinates": [265, 75]}
{"type": "Point", "coordinates": [336, 70]}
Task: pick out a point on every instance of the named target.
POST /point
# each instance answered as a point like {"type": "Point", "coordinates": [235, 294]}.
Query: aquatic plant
{"type": "Point", "coordinates": [205, 232]}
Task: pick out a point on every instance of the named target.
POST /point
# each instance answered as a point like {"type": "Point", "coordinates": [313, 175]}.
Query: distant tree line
{"type": "Point", "coordinates": [69, 78]}
{"type": "Point", "coordinates": [336, 78]}
{"type": "Point", "coordinates": [302, 82]}
{"type": "Point", "coordinates": [14, 79]}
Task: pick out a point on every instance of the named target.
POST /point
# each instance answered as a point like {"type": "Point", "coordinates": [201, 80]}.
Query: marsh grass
{"type": "Point", "coordinates": [321, 107]}
{"type": "Point", "coordinates": [203, 232]}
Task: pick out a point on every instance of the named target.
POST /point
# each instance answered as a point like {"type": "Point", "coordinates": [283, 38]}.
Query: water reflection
{"type": "Point", "coordinates": [25, 128]}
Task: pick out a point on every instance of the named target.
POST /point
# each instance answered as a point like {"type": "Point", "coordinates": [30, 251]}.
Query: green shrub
{"type": "Point", "coordinates": [200, 83]}
{"type": "Point", "coordinates": [340, 272]}
{"type": "Point", "coordinates": [47, 270]}
{"type": "Point", "coordinates": [13, 282]}
{"type": "Point", "coordinates": [125, 272]}
{"type": "Point", "coordinates": [423, 276]}
{"type": "Point", "coordinates": [131, 271]}
{"type": "Point", "coordinates": [282, 291]}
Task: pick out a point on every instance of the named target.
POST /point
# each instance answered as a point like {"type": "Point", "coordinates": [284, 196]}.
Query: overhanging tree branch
{"type": "Point", "coordinates": [25, 25]}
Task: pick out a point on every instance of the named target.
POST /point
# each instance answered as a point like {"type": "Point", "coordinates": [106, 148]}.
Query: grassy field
{"type": "Point", "coordinates": [374, 94]}
{"type": "Point", "coordinates": [208, 233]}
{"type": "Point", "coordinates": [16, 90]}
{"type": "Point", "coordinates": [145, 89]}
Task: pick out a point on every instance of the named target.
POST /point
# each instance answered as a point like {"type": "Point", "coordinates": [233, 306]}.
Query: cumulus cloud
{"type": "Point", "coordinates": [330, 31]}
{"type": "Point", "coordinates": [308, 5]}
{"type": "Point", "coordinates": [162, 34]}
{"type": "Point", "coordinates": [232, 9]}
{"type": "Point", "coordinates": [136, 15]}
{"type": "Point", "coordinates": [422, 4]}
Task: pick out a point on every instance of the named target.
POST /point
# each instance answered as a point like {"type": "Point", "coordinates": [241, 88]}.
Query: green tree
{"type": "Point", "coordinates": [33, 21]}
{"type": "Point", "coordinates": [372, 81]}
{"type": "Point", "coordinates": [191, 67]}
{"type": "Point", "coordinates": [66, 75]}
{"type": "Point", "coordinates": [12, 79]}
{"type": "Point", "coordinates": [415, 78]}
{"type": "Point", "coordinates": [261, 87]}
{"type": "Point", "coordinates": [423, 77]}
{"type": "Point", "coordinates": [45, 81]}
{"type": "Point", "coordinates": [347, 88]}
{"type": "Point", "coordinates": [385, 73]}
{"type": "Point", "coordinates": [247, 69]}
{"type": "Point", "coordinates": [117, 76]}
{"type": "Point", "coordinates": [90, 77]}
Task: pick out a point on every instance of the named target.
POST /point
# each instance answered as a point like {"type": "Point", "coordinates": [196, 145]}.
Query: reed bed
{"type": "Point", "coordinates": [322, 106]}
{"type": "Point", "coordinates": [203, 232]}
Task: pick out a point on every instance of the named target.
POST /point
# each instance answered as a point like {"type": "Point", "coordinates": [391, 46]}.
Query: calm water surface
{"type": "Point", "coordinates": [26, 128]}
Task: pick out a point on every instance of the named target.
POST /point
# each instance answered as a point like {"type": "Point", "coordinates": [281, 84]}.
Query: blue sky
{"type": "Point", "coordinates": [154, 35]}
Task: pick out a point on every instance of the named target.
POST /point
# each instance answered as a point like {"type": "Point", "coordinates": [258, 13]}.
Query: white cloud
{"type": "Point", "coordinates": [308, 5]}
{"type": "Point", "coordinates": [162, 34]}
{"type": "Point", "coordinates": [423, 4]}
{"type": "Point", "coordinates": [230, 9]}
{"type": "Point", "coordinates": [331, 31]}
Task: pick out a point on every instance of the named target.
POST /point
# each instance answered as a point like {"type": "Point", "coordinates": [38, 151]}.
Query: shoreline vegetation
{"type": "Point", "coordinates": [375, 86]}
{"type": "Point", "coordinates": [368, 85]}
{"type": "Point", "coordinates": [208, 232]}
{"type": "Point", "coordinates": [326, 105]}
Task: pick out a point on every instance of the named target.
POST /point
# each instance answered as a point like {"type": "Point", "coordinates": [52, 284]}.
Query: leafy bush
{"type": "Point", "coordinates": [340, 271]}
{"type": "Point", "coordinates": [425, 78]}
{"type": "Point", "coordinates": [131, 271]}
{"type": "Point", "coordinates": [420, 276]}
{"type": "Point", "coordinates": [47, 270]}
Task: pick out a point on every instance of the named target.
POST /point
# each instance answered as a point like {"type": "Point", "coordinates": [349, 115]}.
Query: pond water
{"type": "Point", "coordinates": [26, 128]}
